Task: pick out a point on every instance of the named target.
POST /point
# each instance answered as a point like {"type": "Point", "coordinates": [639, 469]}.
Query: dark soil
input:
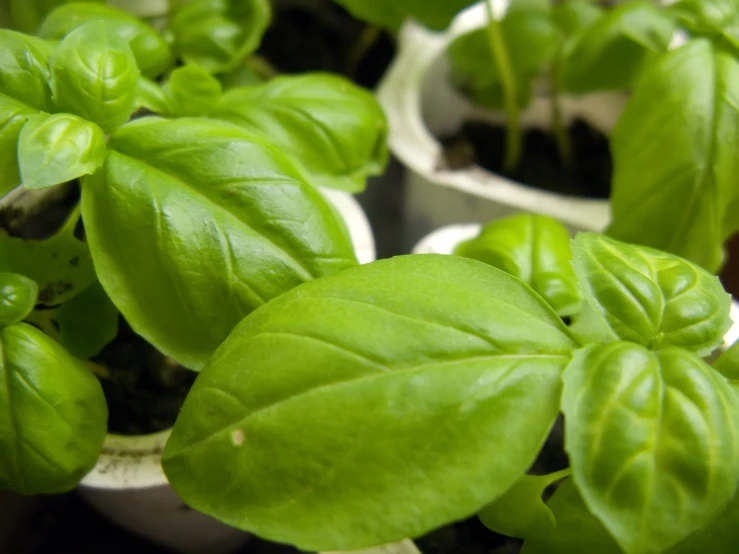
{"type": "Point", "coordinates": [319, 35]}
{"type": "Point", "coordinates": [587, 175]}
{"type": "Point", "coordinates": [144, 389]}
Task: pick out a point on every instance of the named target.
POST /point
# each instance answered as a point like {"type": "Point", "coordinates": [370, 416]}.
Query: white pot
{"type": "Point", "coordinates": [446, 239]}
{"type": "Point", "coordinates": [128, 485]}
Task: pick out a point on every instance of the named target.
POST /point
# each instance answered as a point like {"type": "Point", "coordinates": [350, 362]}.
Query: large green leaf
{"type": "Point", "coordinates": [24, 91]}
{"type": "Point", "coordinates": [391, 13]}
{"type": "Point", "coordinates": [17, 298]}
{"type": "Point", "coordinates": [652, 298]}
{"type": "Point", "coordinates": [534, 248]}
{"type": "Point", "coordinates": [610, 53]}
{"type": "Point", "coordinates": [61, 265]}
{"type": "Point", "coordinates": [685, 115]}
{"type": "Point", "coordinates": [400, 375]}
{"type": "Point", "coordinates": [193, 224]}
{"type": "Point", "coordinates": [335, 129]}
{"type": "Point", "coordinates": [53, 418]}
{"type": "Point", "coordinates": [530, 37]}
{"type": "Point", "coordinates": [653, 439]}
{"type": "Point", "coordinates": [57, 148]}
{"type": "Point", "coordinates": [151, 51]}
{"type": "Point", "coordinates": [94, 75]}
{"type": "Point", "coordinates": [218, 34]}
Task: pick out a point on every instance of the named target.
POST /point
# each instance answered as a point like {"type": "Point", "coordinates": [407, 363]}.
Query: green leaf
{"type": "Point", "coordinates": [436, 14]}
{"type": "Point", "coordinates": [652, 298]}
{"type": "Point", "coordinates": [17, 298]}
{"type": "Point", "coordinates": [95, 75]}
{"type": "Point", "coordinates": [24, 91]}
{"type": "Point", "coordinates": [88, 322]}
{"type": "Point", "coordinates": [401, 375]}
{"type": "Point", "coordinates": [682, 204]}
{"type": "Point", "coordinates": [653, 439]}
{"type": "Point", "coordinates": [721, 536]}
{"type": "Point", "coordinates": [534, 248]}
{"type": "Point", "coordinates": [193, 224]}
{"type": "Point", "coordinates": [151, 51]}
{"type": "Point", "coordinates": [577, 529]}
{"type": "Point", "coordinates": [572, 16]}
{"type": "Point", "coordinates": [706, 17]}
{"type": "Point", "coordinates": [531, 39]}
{"type": "Point", "coordinates": [610, 53]}
{"type": "Point", "coordinates": [728, 365]}
{"type": "Point", "coordinates": [192, 91]}
{"type": "Point", "coordinates": [53, 418]}
{"type": "Point", "coordinates": [334, 129]}
{"type": "Point", "coordinates": [61, 265]}
{"type": "Point", "coordinates": [521, 511]}
{"type": "Point", "coordinates": [151, 97]}
{"type": "Point", "coordinates": [27, 15]}
{"type": "Point", "coordinates": [218, 34]}
{"type": "Point", "coordinates": [54, 149]}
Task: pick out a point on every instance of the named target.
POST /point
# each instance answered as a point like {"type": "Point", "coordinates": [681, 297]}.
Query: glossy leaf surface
{"type": "Point", "coordinates": [534, 248]}
{"type": "Point", "coordinates": [17, 298]}
{"type": "Point", "coordinates": [653, 439]}
{"type": "Point", "coordinates": [436, 14]}
{"type": "Point", "coordinates": [53, 418]}
{"type": "Point", "coordinates": [152, 53]}
{"type": "Point", "coordinates": [191, 91]}
{"type": "Point", "coordinates": [400, 375]}
{"type": "Point", "coordinates": [57, 148]}
{"type": "Point", "coordinates": [610, 53]}
{"type": "Point", "coordinates": [218, 34]}
{"type": "Point", "coordinates": [683, 204]}
{"type": "Point", "coordinates": [95, 75]}
{"type": "Point", "coordinates": [24, 91]}
{"type": "Point", "coordinates": [88, 322]}
{"type": "Point", "coordinates": [335, 129]}
{"type": "Point", "coordinates": [652, 298]}
{"type": "Point", "coordinates": [61, 265]}
{"type": "Point", "coordinates": [193, 224]}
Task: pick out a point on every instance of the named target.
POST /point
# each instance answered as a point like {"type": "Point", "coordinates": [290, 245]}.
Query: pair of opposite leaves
{"type": "Point", "coordinates": [396, 397]}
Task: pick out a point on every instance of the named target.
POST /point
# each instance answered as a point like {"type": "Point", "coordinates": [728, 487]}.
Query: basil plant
{"type": "Point", "coordinates": [197, 205]}
{"type": "Point", "coordinates": [397, 397]}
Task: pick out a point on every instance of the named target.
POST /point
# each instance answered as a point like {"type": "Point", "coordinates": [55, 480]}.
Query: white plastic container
{"type": "Point", "coordinates": [421, 103]}
{"type": "Point", "coordinates": [129, 487]}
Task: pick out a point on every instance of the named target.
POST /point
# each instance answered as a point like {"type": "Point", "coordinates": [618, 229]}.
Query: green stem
{"type": "Point", "coordinates": [514, 139]}
{"type": "Point", "coordinates": [558, 125]}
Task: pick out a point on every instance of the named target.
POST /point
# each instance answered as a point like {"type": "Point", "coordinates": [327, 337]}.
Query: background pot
{"type": "Point", "coordinates": [128, 485]}
{"type": "Point", "coordinates": [421, 103]}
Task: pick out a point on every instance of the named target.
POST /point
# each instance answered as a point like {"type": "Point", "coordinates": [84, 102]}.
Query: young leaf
{"type": "Point", "coordinates": [191, 91]}
{"type": "Point", "coordinates": [150, 96]}
{"type": "Point", "coordinates": [436, 14]}
{"type": "Point", "coordinates": [61, 265]}
{"type": "Point", "coordinates": [193, 224]}
{"type": "Point", "coordinates": [152, 53]}
{"type": "Point", "coordinates": [57, 148]}
{"type": "Point", "coordinates": [17, 298]}
{"type": "Point", "coordinates": [94, 75]}
{"type": "Point", "coordinates": [610, 53]}
{"type": "Point", "coordinates": [218, 34]}
{"type": "Point", "coordinates": [652, 298]}
{"type": "Point", "coordinates": [531, 39]}
{"type": "Point", "coordinates": [400, 375]}
{"type": "Point", "coordinates": [521, 511]}
{"type": "Point", "coordinates": [24, 91]}
{"type": "Point", "coordinates": [534, 248]}
{"type": "Point", "coordinates": [27, 15]}
{"type": "Point", "coordinates": [88, 322]}
{"type": "Point", "coordinates": [728, 365]}
{"type": "Point", "coordinates": [335, 129]}
{"type": "Point", "coordinates": [53, 418]}
{"type": "Point", "coordinates": [653, 439]}
{"type": "Point", "coordinates": [682, 204]}
{"type": "Point", "coordinates": [577, 529]}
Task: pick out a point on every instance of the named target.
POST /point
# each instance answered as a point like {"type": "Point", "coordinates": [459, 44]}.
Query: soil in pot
{"type": "Point", "coordinates": [588, 174]}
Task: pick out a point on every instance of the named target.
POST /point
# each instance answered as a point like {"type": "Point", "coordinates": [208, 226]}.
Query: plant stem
{"type": "Point", "coordinates": [558, 125]}
{"type": "Point", "coordinates": [514, 139]}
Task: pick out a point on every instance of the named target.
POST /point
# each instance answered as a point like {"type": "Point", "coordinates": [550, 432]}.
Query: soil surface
{"type": "Point", "coordinates": [588, 174]}
{"type": "Point", "coordinates": [144, 389]}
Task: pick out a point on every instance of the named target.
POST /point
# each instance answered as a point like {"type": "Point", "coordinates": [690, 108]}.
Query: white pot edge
{"type": "Point", "coordinates": [446, 239]}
